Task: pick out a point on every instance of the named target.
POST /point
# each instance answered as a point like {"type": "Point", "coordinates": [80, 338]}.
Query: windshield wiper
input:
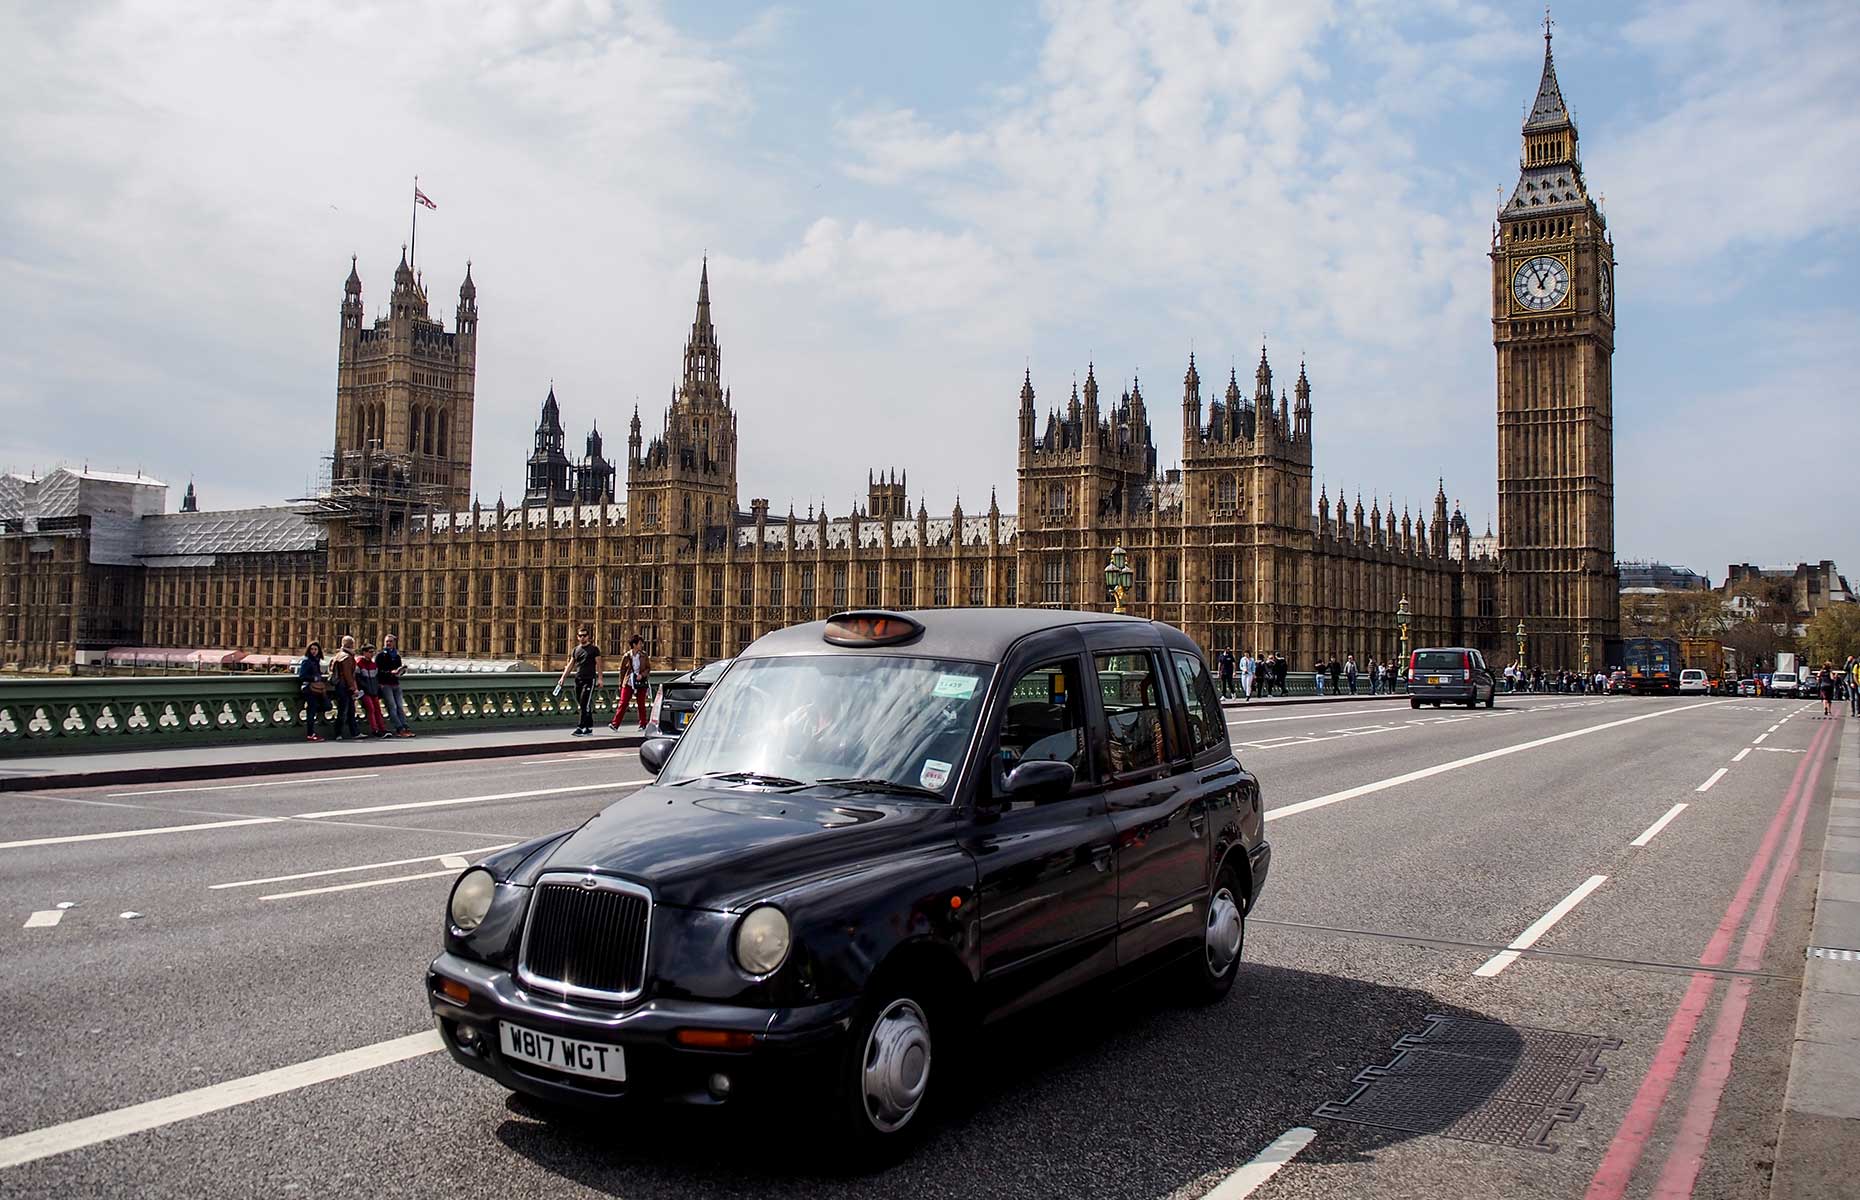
{"type": "Point", "coordinates": [743, 777]}
{"type": "Point", "coordinates": [881, 785]}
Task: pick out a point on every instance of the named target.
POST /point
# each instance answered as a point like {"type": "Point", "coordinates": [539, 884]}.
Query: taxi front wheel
{"type": "Point", "coordinates": [884, 1078]}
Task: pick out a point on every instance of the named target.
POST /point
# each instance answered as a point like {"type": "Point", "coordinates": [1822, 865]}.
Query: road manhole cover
{"type": "Point", "coordinates": [1478, 1081]}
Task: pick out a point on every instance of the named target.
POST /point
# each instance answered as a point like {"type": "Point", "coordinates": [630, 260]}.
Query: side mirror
{"type": "Point", "coordinates": [1039, 781]}
{"type": "Point", "coordinates": [654, 751]}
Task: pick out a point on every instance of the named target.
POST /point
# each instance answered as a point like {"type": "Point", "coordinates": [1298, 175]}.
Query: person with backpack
{"type": "Point", "coordinates": [345, 683]}
{"type": "Point", "coordinates": [635, 681]}
{"type": "Point", "coordinates": [1824, 678]}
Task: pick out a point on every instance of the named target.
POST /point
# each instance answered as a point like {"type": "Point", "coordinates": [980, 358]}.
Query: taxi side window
{"type": "Point", "coordinates": [1207, 725]}
{"type": "Point", "coordinates": [1135, 731]}
{"type": "Point", "coordinates": [1045, 720]}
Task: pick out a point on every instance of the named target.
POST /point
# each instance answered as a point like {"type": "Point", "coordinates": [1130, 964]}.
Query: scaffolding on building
{"type": "Point", "coordinates": [362, 487]}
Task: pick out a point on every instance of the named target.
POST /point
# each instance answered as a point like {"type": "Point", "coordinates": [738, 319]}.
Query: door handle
{"type": "Point", "coordinates": [1101, 858]}
{"type": "Point", "coordinates": [1198, 820]}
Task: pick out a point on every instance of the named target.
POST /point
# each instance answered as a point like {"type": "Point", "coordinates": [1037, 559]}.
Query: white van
{"type": "Point", "coordinates": [1784, 683]}
{"type": "Point", "coordinates": [1692, 682]}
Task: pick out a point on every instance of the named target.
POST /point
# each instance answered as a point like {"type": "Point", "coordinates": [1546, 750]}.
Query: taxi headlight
{"type": "Point", "coordinates": [762, 940]}
{"type": "Point", "coordinates": [471, 899]}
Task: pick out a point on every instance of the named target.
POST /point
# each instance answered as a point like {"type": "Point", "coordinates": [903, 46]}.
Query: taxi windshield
{"type": "Point", "coordinates": [867, 721]}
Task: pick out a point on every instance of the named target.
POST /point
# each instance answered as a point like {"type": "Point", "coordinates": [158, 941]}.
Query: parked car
{"type": "Point", "coordinates": [1747, 687]}
{"type": "Point", "coordinates": [886, 829]}
{"type": "Point", "coordinates": [678, 700]}
{"type": "Point", "coordinates": [1454, 674]}
{"type": "Point", "coordinates": [1693, 682]}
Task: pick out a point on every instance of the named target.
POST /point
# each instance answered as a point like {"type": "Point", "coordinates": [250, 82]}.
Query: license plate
{"type": "Point", "coordinates": [1434, 679]}
{"type": "Point", "coordinates": [594, 1059]}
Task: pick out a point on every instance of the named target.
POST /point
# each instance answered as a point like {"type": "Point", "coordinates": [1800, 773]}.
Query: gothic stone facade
{"type": "Point", "coordinates": [1231, 547]}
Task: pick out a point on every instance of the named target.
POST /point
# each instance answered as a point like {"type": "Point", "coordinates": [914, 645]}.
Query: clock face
{"type": "Point", "coordinates": [1605, 288]}
{"type": "Point", "coordinates": [1541, 283]}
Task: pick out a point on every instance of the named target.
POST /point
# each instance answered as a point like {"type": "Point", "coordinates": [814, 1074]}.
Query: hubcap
{"type": "Point", "coordinates": [896, 1070]}
{"type": "Point", "coordinates": [1223, 932]}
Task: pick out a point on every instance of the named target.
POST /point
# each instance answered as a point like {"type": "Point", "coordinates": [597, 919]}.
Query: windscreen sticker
{"type": "Point", "coordinates": [935, 773]}
{"type": "Point", "coordinates": [955, 687]}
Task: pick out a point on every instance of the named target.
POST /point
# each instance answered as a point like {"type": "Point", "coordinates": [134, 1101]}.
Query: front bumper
{"type": "Point", "coordinates": [790, 1045]}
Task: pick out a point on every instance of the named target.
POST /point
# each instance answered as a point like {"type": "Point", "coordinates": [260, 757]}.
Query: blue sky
{"type": "Point", "coordinates": [906, 204]}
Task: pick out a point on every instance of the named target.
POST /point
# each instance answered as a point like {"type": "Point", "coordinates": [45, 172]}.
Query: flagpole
{"type": "Point", "coordinates": [413, 239]}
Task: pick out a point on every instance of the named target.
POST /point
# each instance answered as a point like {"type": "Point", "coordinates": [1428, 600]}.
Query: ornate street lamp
{"type": "Point", "coordinates": [1402, 617]}
{"type": "Point", "coordinates": [1520, 643]}
{"type": "Point", "coordinates": [1117, 579]}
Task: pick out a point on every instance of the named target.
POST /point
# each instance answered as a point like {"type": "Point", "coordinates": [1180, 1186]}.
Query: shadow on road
{"type": "Point", "coordinates": [1115, 1094]}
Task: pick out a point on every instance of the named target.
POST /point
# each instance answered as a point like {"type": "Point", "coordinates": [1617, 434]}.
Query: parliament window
{"type": "Point", "coordinates": [977, 589]}
{"type": "Point", "coordinates": [649, 588]}
{"type": "Point", "coordinates": [416, 588]}
{"type": "Point", "coordinates": [1140, 572]}
{"type": "Point", "coordinates": [871, 586]}
{"type": "Point", "coordinates": [716, 587]}
{"type": "Point", "coordinates": [1223, 578]}
{"type": "Point", "coordinates": [839, 585]}
{"type": "Point", "coordinates": [1012, 588]}
{"type": "Point", "coordinates": [687, 590]}
{"type": "Point", "coordinates": [536, 590]}
{"type": "Point", "coordinates": [616, 593]}
{"type": "Point", "coordinates": [775, 586]}
{"type": "Point", "coordinates": [939, 585]}
{"type": "Point", "coordinates": [484, 590]}
{"type": "Point", "coordinates": [1172, 579]}
{"type": "Point", "coordinates": [536, 646]}
{"type": "Point", "coordinates": [807, 587]}
{"type": "Point", "coordinates": [559, 593]}
{"type": "Point", "coordinates": [907, 587]}
{"type": "Point", "coordinates": [461, 590]}
{"type": "Point", "coordinates": [1058, 570]}
{"type": "Point", "coordinates": [713, 642]}
{"type": "Point", "coordinates": [1226, 494]}
{"type": "Point", "coordinates": [746, 587]}
{"type": "Point", "coordinates": [684, 641]}
{"type": "Point", "coordinates": [590, 588]}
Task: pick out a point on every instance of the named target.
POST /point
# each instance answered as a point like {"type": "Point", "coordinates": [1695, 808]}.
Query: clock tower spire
{"type": "Point", "coordinates": [1553, 330]}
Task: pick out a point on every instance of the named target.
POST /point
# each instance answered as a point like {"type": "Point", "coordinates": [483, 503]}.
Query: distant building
{"type": "Point", "coordinates": [1806, 588]}
{"type": "Point", "coordinates": [1660, 577]}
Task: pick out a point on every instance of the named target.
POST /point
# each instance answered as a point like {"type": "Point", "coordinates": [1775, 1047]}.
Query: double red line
{"type": "Point", "coordinates": [1781, 845]}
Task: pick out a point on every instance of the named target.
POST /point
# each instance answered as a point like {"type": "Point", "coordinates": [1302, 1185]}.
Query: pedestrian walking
{"type": "Point", "coordinates": [1853, 684]}
{"type": "Point", "coordinates": [313, 685]}
{"type": "Point", "coordinates": [1249, 668]}
{"type": "Point", "coordinates": [1825, 680]}
{"type": "Point", "coordinates": [585, 662]}
{"type": "Point", "coordinates": [635, 681]}
{"type": "Point", "coordinates": [388, 671]}
{"type": "Point", "coordinates": [1336, 675]}
{"type": "Point", "coordinates": [367, 675]}
{"type": "Point", "coordinates": [1224, 662]}
{"type": "Point", "coordinates": [1349, 672]}
{"type": "Point", "coordinates": [346, 686]}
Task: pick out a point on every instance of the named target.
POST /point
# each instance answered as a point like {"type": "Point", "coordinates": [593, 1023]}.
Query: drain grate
{"type": "Point", "coordinates": [1478, 1081]}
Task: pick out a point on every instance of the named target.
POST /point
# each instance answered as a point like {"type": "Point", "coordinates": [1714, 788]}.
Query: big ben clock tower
{"type": "Point", "coordinates": [1553, 326]}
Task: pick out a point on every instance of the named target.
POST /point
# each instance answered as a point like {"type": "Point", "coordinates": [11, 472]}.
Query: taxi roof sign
{"type": "Point", "coordinates": [869, 628]}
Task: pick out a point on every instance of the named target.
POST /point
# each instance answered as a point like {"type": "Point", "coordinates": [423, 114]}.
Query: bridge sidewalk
{"type": "Point", "coordinates": [95, 769]}
{"type": "Point", "coordinates": [1819, 1142]}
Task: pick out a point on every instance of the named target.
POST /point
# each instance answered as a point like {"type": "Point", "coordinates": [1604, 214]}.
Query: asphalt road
{"type": "Point", "coordinates": [291, 919]}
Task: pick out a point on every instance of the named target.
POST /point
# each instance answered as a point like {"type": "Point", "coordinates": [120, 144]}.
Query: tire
{"type": "Point", "coordinates": [1436, 704]}
{"type": "Point", "coordinates": [1414, 702]}
{"type": "Point", "coordinates": [1212, 968]}
{"type": "Point", "coordinates": [887, 1073]}
{"type": "Point", "coordinates": [1491, 697]}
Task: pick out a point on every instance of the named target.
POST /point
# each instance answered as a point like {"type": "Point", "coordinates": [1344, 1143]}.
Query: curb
{"type": "Point", "coordinates": [1281, 701]}
{"type": "Point", "coordinates": [286, 766]}
{"type": "Point", "coordinates": [1818, 1140]}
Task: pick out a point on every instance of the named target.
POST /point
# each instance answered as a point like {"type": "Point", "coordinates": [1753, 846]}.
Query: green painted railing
{"type": "Point", "coordinates": [69, 715]}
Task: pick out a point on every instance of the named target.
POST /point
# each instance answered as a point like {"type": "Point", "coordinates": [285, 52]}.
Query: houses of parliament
{"type": "Point", "coordinates": [1233, 547]}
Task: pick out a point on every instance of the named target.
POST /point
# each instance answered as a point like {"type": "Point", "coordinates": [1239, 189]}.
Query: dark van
{"type": "Point", "coordinates": [1451, 674]}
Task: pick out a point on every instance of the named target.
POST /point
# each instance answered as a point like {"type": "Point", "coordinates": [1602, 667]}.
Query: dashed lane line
{"type": "Point", "coordinates": [1504, 958]}
{"type": "Point", "coordinates": [1720, 773]}
{"type": "Point", "coordinates": [1653, 830]}
{"type": "Point", "coordinates": [1264, 1165]}
{"type": "Point", "coordinates": [318, 780]}
{"type": "Point", "coordinates": [351, 887]}
{"type": "Point", "coordinates": [1741, 754]}
{"type": "Point", "coordinates": [44, 919]}
{"type": "Point", "coordinates": [444, 859]}
{"type": "Point", "coordinates": [1379, 785]}
{"type": "Point", "coordinates": [71, 838]}
{"type": "Point", "coordinates": [1760, 739]}
{"type": "Point", "coordinates": [28, 1147]}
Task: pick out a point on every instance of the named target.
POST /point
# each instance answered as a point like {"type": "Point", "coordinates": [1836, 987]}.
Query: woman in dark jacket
{"type": "Point", "coordinates": [314, 686]}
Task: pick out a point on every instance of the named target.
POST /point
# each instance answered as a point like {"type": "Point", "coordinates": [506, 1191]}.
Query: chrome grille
{"type": "Point", "coordinates": [587, 936]}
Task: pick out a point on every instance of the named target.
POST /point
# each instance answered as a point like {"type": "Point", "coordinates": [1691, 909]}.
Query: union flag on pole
{"type": "Point", "coordinates": [421, 197]}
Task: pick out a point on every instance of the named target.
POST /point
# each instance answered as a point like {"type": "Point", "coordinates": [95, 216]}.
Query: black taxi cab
{"type": "Point", "coordinates": [882, 831]}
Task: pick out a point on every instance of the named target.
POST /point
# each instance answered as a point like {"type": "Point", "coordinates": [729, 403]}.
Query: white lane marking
{"type": "Point", "coordinates": [569, 758]}
{"type": "Point", "coordinates": [555, 791]}
{"type": "Point", "coordinates": [69, 838]}
{"type": "Point", "coordinates": [1720, 773]}
{"type": "Point", "coordinates": [1471, 760]}
{"type": "Point", "coordinates": [1739, 756]}
{"type": "Point", "coordinates": [1779, 750]}
{"type": "Point", "coordinates": [1761, 738]}
{"type": "Point", "coordinates": [456, 861]}
{"type": "Point", "coordinates": [444, 859]}
{"type": "Point", "coordinates": [350, 887]}
{"type": "Point", "coordinates": [1264, 1166]}
{"type": "Point", "coordinates": [234, 787]}
{"type": "Point", "coordinates": [1658, 825]}
{"type": "Point", "coordinates": [1504, 958]}
{"type": "Point", "coordinates": [44, 919]}
{"type": "Point", "coordinates": [138, 1118]}
{"type": "Point", "coordinates": [1775, 727]}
